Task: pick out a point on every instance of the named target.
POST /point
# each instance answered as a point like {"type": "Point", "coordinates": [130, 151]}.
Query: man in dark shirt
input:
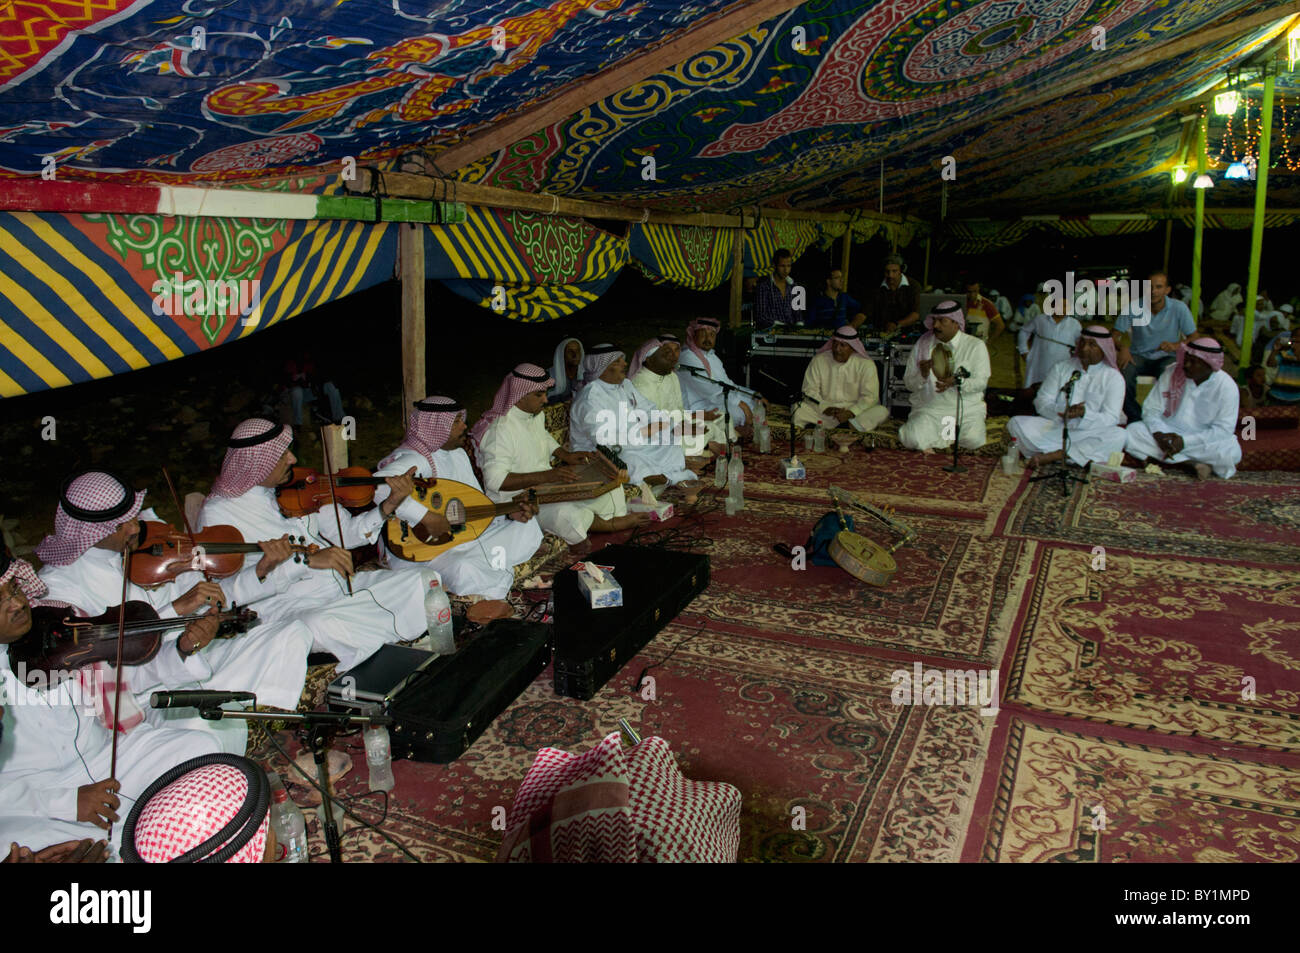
{"type": "Point", "coordinates": [896, 303]}
{"type": "Point", "coordinates": [775, 301]}
{"type": "Point", "coordinates": [835, 307]}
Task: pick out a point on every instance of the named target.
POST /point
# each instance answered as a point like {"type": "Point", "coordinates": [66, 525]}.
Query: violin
{"type": "Point", "coordinates": [162, 554]}
{"type": "Point", "coordinates": [61, 640]}
{"type": "Point", "coordinates": [306, 490]}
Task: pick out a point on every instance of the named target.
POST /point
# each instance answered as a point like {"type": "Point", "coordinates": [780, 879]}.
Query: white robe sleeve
{"type": "Point", "coordinates": [408, 511]}
{"type": "Point", "coordinates": [912, 376]}
{"type": "Point", "coordinates": [812, 384]}
{"type": "Point", "coordinates": [1108, 408]}
{"type": "Point", "coordinates": [1153, 408]}
{"type": "Point", "coordinates": [1224, 403]}
{"type": "Point", "coordinates": [25, 794]}
{"type": "Point", "coordinates": [1050, 402]}
{"type": "Point", "coordinates": [868, 388]}
{"type": "Point", "coordinates": [978, 367]}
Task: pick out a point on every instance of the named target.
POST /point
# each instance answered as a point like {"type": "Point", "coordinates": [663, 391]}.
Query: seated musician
{"type": "Point", "coordinates": [653, 372]}
{"type": "Point", "coordinates": [383, 607]}
{"type": "Point", "coordinates": [515, 452]}
{"type": "Point", "coordinates": [433, 447]}
{"type": "Point", "coordinates": [701, 389]}
{"type": "Point", "coordinates": [1095, 411]}
{"type": "Point", "coordinates": [566, 370]}
{"type": "Point", "coordinates": [55, 760]}
{"type": "Point", "coordinates": [1193, 424]}
{"type": "Point", "coordinates": [611, 411]}
{"type": "Point", "coordinates": [96, 526]}
{"type": "Point", "coordinates": [841, 387]}
{"type": "Point", "coordinates": [932, 422]}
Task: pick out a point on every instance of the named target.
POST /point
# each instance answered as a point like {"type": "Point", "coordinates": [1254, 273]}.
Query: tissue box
{"type": "Point", "coordinates": [604, 596]}
{"type": "Point", "coordinates": [660, 512]}
{"type": "Point", "coordinates": [793, 472]}
{"type": "Point", "coordinates": [1105, 471]}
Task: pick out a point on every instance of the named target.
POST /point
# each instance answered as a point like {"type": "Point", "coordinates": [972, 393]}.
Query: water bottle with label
{"type": "Point", "coordinates": [1011, 459]}
{"type": "Point", "coordinates": [720, 475]}
{"type": "Point", "coordinates": [378, 754]}
{"type": "Point", "coordinates": [288, 823]}
{"type": "Point", "coordinates": [736, 483]}
{"type": "Point", "coordinates": [437, 614]}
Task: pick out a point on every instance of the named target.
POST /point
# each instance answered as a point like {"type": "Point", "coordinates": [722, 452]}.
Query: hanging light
{"type": "Point", "coordinates": [1293, 48]}
{"type": "Point", "coordinates": [1237, 170]}
{"type": "Point", "coordinates": [1203, 181]}
{"type": "Point", "coordinates": [1180, 174]}
{"type": "Point", "coordinates": [1225, 104]}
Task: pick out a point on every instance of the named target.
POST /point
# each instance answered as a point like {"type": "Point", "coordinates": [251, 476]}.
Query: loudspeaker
{"type": "Point", "coordinates": [592, 645]}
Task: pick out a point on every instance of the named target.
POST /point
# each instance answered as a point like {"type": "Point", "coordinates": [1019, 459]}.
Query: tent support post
{"type": "Point", "coordinates": [1169, 234]}
{"type": "Point", "coordinates": [1200, 220]}
{"type": "Point", "coordinates": [844, 256]}
{"type": "Point", "coordinates": [737, 275]}
{"type": "Point", "coordinates": [925, 273]}
{"type": "Point", "coordinates": [411, 250]}
{"type": "Point", "coordinates": [1257, 227]}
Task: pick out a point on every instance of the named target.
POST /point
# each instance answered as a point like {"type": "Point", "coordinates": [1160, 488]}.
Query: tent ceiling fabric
{"type": "Point", "coordinates": [797, 112]}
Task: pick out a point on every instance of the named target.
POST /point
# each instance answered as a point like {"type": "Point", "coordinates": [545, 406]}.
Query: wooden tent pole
{"type": "Point", "coordinates": [925, 273]}
{"type": "Point", "coordinates": [411, 249]}
{"type": "Point", "coordinates": [1257, 227]}
{"type": "Point", "coordinates": [737, 275]}
{"type": "Point", "coordinates": [844, 256]}
{"type": "Point", "coordinates": [1169, 234]}
{"type": "Point", "coordinates": [1200, 219]}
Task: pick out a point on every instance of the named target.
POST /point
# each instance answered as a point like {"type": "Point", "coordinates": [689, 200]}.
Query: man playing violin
{"type": "Point", "coordinates": [383, 607]}
{"type": "Point", "coordinates": [434, 448]}
{"type": "Point", "coordinates": [96, 527]}
{"type": "Point", "coordinates": [55, 760]}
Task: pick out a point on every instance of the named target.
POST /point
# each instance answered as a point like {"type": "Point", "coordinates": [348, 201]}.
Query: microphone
{"type": "Point", "coordinates": [1073, 379]}
{"type": "Point", "coordinates": [193, 699]}
{"type": "Point", "coordinates": [813, 400]}
{"type": "Point", "coordinates": [961, 374]}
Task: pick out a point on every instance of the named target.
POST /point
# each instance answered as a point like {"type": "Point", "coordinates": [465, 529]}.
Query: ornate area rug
{"type": "Point", "coordinates": [1057, 795]}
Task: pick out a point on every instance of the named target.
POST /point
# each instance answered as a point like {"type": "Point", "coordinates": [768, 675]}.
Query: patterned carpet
{"type": "Point", "coordinates": [1150, 705]}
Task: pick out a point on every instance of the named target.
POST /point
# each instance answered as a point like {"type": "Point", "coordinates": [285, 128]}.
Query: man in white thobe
{"type": "Point", "coordinates": [841, 386]}
{"type": "Point", "coordinates": [516, 452]}
{"type": "Point", "coordinates": [1193, 424]}
{"type": "Point", "coordinates": [384, 606]}
{"type": "Point", "coordinates": [433, 448]}
{"type": "Point", "coordinates": [653, 372]}
{"type": "Point", "coordinates": [932, 423]}
{"type": "Point", "coordinates": [701, 371]}
{"type": "Point", "coordinates": [55, 755]}
{"type": "Point", "coordinates": [1054, 335]}
{"type": "Point", "coordinates": [611, 412]}
{"type": "Point", "coordinates": [1094, 411]}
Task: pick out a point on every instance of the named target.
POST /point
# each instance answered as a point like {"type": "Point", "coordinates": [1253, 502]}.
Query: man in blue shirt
{"type": "Point", "coordinates": [774, 299]}
{"type": "Point", "coordinates": [835, 307]}
{"type": "Point", "coordinates": [1156, 330]}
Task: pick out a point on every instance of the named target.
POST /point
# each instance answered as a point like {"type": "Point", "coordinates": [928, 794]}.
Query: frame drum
{"type": "Point", "coordinates": [862, 559]}
{"type": "Point", "coordinates": [941, 356]}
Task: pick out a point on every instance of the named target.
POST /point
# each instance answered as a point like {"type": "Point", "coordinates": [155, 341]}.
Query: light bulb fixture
{"type": "Point", "coordinates": [1225, 104]}
{"type": "Point", "coordinates": [1237, 170]}
{"type": "Point", "coordinates": [1292, 48]}
{"type": "Point", "coordinates": [1203, 181]}
{"type": "Point", "coordinates": [1180, 174]}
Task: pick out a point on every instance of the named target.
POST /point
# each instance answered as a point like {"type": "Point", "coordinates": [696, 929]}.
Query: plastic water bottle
{"type": "Point", "coordinates": [437, 613]}
{"type": "Point", "coordinates": [288, 823]}
{"type": "Point", "coordinates": [720, 475]}
{"type": "Point", "coordinates": [1011, 458]}
{"type": "Point", "coordinates": [379, 754]}
{"type": "Point", "coordinates": [764, 438]}
{"type": "Point", "coordinates": [736, 483]}
{"type": "Point", "coordinates": [819, 439]}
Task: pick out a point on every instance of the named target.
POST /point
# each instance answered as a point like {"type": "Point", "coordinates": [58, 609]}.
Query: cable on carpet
{"type": "Point", "coordinates": [636, 685]}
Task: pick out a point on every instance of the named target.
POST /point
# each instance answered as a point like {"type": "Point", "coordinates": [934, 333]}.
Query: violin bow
{"type": "Point", "coordinates": [117, 673]}
{"type": "Point", "coordinates": [338, 520]}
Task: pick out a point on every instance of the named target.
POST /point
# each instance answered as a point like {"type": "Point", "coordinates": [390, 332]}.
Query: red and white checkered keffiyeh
{"type": "Point", "coordinates": [21, 571]}
{"type": "Point", "coordinates": [1208, 350]}
{"type": "Point", "coordinates": [1105, 341]}
{"type": "Point", "coordinates": [944, 309]}
{"type": "Point", "coordinates": [91, 508]}
{"type": "Point", "coordinates": [647, 349]}
{"type": "Point", "coordinates": [616, 806]}
{"type": "Point", "coordinates": [691, 328]}
{"type": "Point", "coordinates": [846, 335]}
{"type": "Point", "coordinates": [427, 428]}
{"type": "Point", "coordinates": [516, 385]}
{"type": "Point", "coordinates": [250, 460]}
{"type": "Point", "coordinates": [198, 805]}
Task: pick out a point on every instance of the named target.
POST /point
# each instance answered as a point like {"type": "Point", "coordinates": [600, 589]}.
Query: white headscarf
{"type": "Point", "coordinates": [558, 369]}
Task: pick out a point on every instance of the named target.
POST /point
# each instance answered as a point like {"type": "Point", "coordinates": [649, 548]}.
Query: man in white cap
{"type": "Point", "coordinates": [1095, 411]}
{"type": "Point", "coordinates": [1194, 424]}
{"type": "Point", "coordinates": [610, 411]}
{"type": "Point", "coordinates": [841, 386]}
{"type": "Point", "coordinates": [96, 527]}
{"type": "Point", "coordinates": [383, 606]}
{"type": "Point", "coordinates": [699, 369]}
{"type": "Point", "coordinates": [55, 756]}
{"type": "Point", "coordinates": [653, 372]}
{"type": "Point", "coordinates": [515, 452]}
{"type": "Point", "coordinates": [434, 448]}
{"type": "Point", "coordinates": [932, 423]}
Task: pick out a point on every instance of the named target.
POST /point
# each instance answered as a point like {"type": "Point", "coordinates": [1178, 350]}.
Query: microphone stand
{"type": "Point", "coordinates": [956, 467]}
{"type": "Point", "coordinates": [796, 396]}
{"type": "Point", "coordinates": [727, 387]}
{"type": "Point", "coordinates": [1063, 467]}
{"type": "Point", "coordinates": [318, 731]}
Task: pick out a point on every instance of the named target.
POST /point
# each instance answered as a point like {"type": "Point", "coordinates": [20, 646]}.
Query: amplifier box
{"type": "Point", "coordinates": [592, 645]}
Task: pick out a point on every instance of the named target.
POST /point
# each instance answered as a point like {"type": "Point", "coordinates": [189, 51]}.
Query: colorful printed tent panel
{"type": "Point", "coordinates": [691, 256]}
{"type": "Point", "coordinates": [85, 297]}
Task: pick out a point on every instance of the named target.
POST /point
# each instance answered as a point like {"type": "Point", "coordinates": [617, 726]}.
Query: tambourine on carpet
{"type": "Point", "coordinates": [1145, 639]}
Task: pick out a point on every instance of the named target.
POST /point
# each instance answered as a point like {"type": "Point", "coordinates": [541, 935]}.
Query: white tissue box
{"type": "Point", "coordinates": [793, 472]}
{"type": "Point", "coordinates": [660, 512]}
{"type": "Point", "coordinates": [603, 595]}
{"type": "Point", "coordinates": [1119, 474]}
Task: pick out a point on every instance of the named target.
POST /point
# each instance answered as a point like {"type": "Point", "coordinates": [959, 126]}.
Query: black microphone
{"type": "Point", "coordinates": [198, 699]}
{"type": "Point", "coordinates": [1073, 379]}
{"type": "Point", "coordinates": [812, 399]}
{"type": "Point", "coordinates": [961, 374]}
